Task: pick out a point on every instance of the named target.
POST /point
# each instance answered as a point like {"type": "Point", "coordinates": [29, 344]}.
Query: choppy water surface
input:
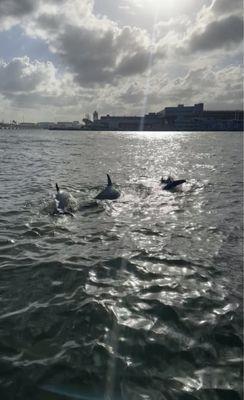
{"type": "Point", "coordinates": [136, 299]}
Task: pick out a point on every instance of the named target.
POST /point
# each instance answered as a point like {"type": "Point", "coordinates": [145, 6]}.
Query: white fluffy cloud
{"type": "Point", "coordinates": [20, 75]}
{"type": "Point", "coordinates": [27, 84]}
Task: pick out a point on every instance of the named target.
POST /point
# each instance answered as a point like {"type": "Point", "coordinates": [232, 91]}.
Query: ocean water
{"type": "Point", "coordinates": [134, 299]}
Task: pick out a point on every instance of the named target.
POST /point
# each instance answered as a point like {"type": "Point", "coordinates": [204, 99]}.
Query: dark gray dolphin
{"type": "Point", "coordinates": [109, 193]}
{"type": "Point", "coordinates": [62, 200]}
{"type": "Point", "coordinates": [170, 183]}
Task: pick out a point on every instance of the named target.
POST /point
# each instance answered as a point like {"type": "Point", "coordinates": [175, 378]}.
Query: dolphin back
{"type": "Point", "coordinates": [172, 185]}
{"type": "Point", "coordinates": [108, 194]}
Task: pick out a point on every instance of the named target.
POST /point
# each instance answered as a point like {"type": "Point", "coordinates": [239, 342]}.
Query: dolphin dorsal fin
{"type": "Point", "coordinates": [57, 187]}
{"type": "Point", "coordinates": [109, 180]}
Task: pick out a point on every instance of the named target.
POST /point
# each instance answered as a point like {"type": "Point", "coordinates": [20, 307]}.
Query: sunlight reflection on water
{"type": "Point", "coordinates": [142, 295]}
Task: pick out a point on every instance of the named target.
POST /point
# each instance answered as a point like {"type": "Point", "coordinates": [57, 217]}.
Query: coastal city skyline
{"type": "Point", "coordinates": [62, 59]}
{"type": "Point", "coordinates": [177, 118]}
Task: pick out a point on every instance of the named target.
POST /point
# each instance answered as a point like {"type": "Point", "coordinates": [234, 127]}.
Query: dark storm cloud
{"type": "Point", "coordinates": [99, 55]}
{"type": "Point", "coordinates": [15, 8]}
{"type": "Point", "coordinates": [227, 6]}
{"type": "Point", "coordinates": [19, 8]}
{"type": "Point", "coordinates": [89, 53]}
{"type": "Point", "coordinates": [218, 34]}
{"type": "Point", "coordinates": [49, 22]}
{"type": "Point", "coordinates": [20, 12]}
{"type": "Point", "coordinates": [133, 64]}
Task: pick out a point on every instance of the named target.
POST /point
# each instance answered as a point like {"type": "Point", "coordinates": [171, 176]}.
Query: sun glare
{"type": "Point", "coordinates": [169, 8]}
{"type": "Point", "coordinates": [162, 5]}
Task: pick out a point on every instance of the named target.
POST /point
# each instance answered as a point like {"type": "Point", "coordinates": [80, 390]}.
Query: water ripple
{"type": "Point", "coordinates": [135, 299]}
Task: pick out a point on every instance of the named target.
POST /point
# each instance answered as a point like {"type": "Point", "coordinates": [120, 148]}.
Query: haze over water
{"type": "Point", "coordinates": [136, 299]}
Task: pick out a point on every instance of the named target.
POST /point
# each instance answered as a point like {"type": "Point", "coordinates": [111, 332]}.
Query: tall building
{"type": "Point", "coordinates": [95, 116]}
{"type": "Point", "coordinates": [172, 114]}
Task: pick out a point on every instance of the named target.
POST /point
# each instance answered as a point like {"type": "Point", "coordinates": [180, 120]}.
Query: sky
{"type": "Point", "coordinates": [62, 59]}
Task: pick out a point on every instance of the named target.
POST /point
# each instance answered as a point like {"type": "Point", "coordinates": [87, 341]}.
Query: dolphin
{"type": "Point", "coordinates": [109, 193]}
{"type": "Point", "coordinates": [170, 183]}
{"type": "Point", "coordinates": [62, 200]}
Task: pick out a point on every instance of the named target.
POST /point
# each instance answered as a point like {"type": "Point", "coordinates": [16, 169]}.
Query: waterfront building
{"type": "Point", "coordinates": [153, 122]}
{"type": "Point", "coordinates": [120, 122]}
{"type": "Point", "coordinates": [95, 116]}
{"type": "Point", "coordinates": [222, 121]}
{"type": "Point", "coordinates": [27, 125]}
{"type": "Point", "coordinates": [45, 125]}
{"type": "Point", "coordinates": [226, 114]}
{"type": "Point", "coordinates": [180, 118]}
{"type": "Point", "coordinates": [173, 115]}
{"type": "Point", "coordinates": [195, 118]}
{"type": "Point", "coordinates": [149, 122]}
{"type": "Point", "coordinates": [67, 124]}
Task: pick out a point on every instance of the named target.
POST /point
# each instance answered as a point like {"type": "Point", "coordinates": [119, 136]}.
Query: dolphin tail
{"type": "Point", "coordinates": [57, 187]}
{"type": "Point", "coordinates": [109, 180]}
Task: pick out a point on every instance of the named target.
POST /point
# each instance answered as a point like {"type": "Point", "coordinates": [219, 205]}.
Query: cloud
{"type": "Point", "coordinates": [133, 64]}
{"type": "Point", "coordinates": [16, 8]}
{"type": "Point", "coordinates": [89, 54]}
{"type": "Point", "coordinates": [34, 83]}
{"type": "Point", "coordinates": [218, 88]}
{"type": "Point", "coordinates": [21, 12]}
{"type": "Point", "coordinates": [176, 24]}
{"type": "Point", "coordinates": [12, 10]}
{"type": "Point", "coordinates": [221, 7]}
{"type": "Point", "coordinates": [102, 64]}
{"type": "Point", "coordinates": [217, 34]}
{"type": "Point", "coordinates": [133, 94]}
{"type": "Point", "coordinates": [31, 85]}
{"type": "Point", "coordinates": [98, 56]}
{"type": "Point", "coordinates": [218, 27]}
{"type": "Point", "coordinates": [96, 50]}
{"type": "Point", "coordinates": [20, 75]}
{"type": "Point", "coordinates": [130, 4]}
{"type": "Point", "coordinates": [39, 87]}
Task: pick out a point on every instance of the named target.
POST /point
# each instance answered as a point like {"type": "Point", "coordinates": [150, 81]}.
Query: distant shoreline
{"type": "Point", "coordinates": [118, 130]}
